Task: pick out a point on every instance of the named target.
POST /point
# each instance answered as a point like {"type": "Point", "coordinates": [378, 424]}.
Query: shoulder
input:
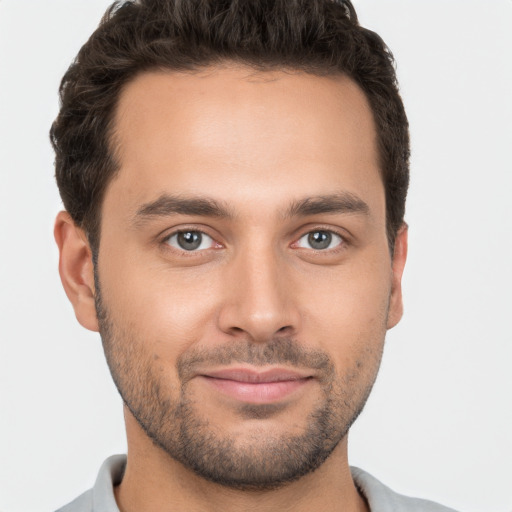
{"type": "Point", "coordinates": [101, 497]}
{"type": "Point", "coordinates": [381, 498]}
{"type": "Point", "coordinates": [81, 504]}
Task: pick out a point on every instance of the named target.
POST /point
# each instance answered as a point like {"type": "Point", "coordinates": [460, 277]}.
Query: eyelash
{"type": "Point", "coordinates": [340, 246]}
{"type": "Point", "coordinates": [194, 253]}
{"type": "Point", "coordinates": [184, 252]}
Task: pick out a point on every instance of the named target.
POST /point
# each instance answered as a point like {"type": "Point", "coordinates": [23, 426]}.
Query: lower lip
{"type": "Point", "coordinates": [257, 392]}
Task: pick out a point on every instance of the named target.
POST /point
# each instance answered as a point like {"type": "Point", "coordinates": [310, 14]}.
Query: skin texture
{"type": "Point", "coordinates": [256, 295]}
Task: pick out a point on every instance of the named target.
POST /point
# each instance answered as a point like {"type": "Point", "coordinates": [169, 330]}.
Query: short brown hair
{"type": "Point", "coordinates": [321, 37]}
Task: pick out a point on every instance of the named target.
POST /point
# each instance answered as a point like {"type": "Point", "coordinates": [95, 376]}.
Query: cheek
{"type": "Point", "coordinates": [348, 315]}
{"type": "Point", "coordinates": [163, 309]}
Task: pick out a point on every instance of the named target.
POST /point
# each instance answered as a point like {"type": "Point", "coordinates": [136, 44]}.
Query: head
{"type": "Point", "coordinates": [321, 38]}
{"type": "Point", "coordinates": [235, 176]}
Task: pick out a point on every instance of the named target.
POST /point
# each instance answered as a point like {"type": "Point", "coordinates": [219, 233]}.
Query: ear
{"type": "Point", "coordinates": [76, 269]}
{"type": "Point", "coordinates": [399, 257]}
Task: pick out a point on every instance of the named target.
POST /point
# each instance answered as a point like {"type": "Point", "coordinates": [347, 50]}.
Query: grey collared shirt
{"type": "Point", "coordinates": [379, 497]}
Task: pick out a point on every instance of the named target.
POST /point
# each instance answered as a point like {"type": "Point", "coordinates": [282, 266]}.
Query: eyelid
{"type": "Point", "coordinates": [164, 240]}
{"type": "Point", "coordinates": [304, 231]}
{"type": "Point", "coordinates": [345, 239]}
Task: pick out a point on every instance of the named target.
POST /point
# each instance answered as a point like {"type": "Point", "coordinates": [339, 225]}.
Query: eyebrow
{"type": "Point", "coordinates": [168, 205]}
{"type": "Point", "coordinates": [343, 202]}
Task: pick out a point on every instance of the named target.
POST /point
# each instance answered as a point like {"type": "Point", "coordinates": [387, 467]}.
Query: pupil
{"type": "Point", "coordinates": [320, 239]}
{"type": "Point", "coordinates": [189, 240]}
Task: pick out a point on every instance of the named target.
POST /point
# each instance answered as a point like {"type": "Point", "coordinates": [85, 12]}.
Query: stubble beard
{"type": "Point", "coordinates": [172, 419]}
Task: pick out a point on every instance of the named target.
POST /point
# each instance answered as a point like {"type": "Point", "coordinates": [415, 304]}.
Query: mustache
{"type": "Point", "coordinates": [276, 351]}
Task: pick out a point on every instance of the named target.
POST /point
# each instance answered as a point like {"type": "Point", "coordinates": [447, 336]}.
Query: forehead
{"type": "Point", "coordinates": [230, 131]}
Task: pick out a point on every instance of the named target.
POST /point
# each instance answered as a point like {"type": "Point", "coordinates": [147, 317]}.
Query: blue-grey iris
{"type": "Point", "coordinates": [320, 239]}
{"type": "Point", "coordinates": [189, 240]}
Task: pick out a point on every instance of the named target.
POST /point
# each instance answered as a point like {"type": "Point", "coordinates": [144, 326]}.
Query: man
{"type": "Point", "coordinates": [234, 176]}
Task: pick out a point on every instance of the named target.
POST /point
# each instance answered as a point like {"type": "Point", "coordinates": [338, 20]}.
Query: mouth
{"type": "Point", "coordinates": [253, 386]}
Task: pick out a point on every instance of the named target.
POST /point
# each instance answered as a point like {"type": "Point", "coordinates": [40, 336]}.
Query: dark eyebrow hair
{"type": "Point", "coordinates": [167, 205]}
{"type": "Point", "coordinates": [344, 202]}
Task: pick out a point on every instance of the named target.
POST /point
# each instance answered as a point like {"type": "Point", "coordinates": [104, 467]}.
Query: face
{"type": "Point", "coordinates": [244, 283]}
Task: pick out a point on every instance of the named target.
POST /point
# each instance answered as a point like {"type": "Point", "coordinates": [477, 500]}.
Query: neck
{"type": "Point", "coordinates": [154, 481]}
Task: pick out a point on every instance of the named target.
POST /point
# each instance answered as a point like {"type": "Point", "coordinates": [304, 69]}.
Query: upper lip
{"type": "Point", "coordinates": [256, 376]}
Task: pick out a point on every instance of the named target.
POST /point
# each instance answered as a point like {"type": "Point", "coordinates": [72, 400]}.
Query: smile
{"type": "Point", "coordinates": [249, 386]}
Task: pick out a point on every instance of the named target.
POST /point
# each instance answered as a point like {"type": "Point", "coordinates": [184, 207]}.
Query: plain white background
{"type": "Point", "coordinates": [439, 422]}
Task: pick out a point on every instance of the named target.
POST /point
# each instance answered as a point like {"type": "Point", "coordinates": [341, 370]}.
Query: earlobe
{"type": "Point", "coordinates": [399, 258]}
{"type": "Point", "coordinates": [76, 269]}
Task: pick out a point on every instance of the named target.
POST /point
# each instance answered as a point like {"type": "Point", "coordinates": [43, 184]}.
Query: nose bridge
{"type": "Point", "coordinates": [260, 302]}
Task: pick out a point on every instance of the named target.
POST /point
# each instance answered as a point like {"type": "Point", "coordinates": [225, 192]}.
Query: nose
{"type": "Point", "coordinates": [260, 300]}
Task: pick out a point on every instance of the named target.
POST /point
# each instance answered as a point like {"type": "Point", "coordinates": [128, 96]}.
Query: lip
{"type": "Point", "coordinates": [256, 387]}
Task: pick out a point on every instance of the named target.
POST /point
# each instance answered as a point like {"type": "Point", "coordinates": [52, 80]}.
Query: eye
{"type": "Point", "coordinates": [190, 240]}
{"type": "Point", "coordinates": [319, 240]}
